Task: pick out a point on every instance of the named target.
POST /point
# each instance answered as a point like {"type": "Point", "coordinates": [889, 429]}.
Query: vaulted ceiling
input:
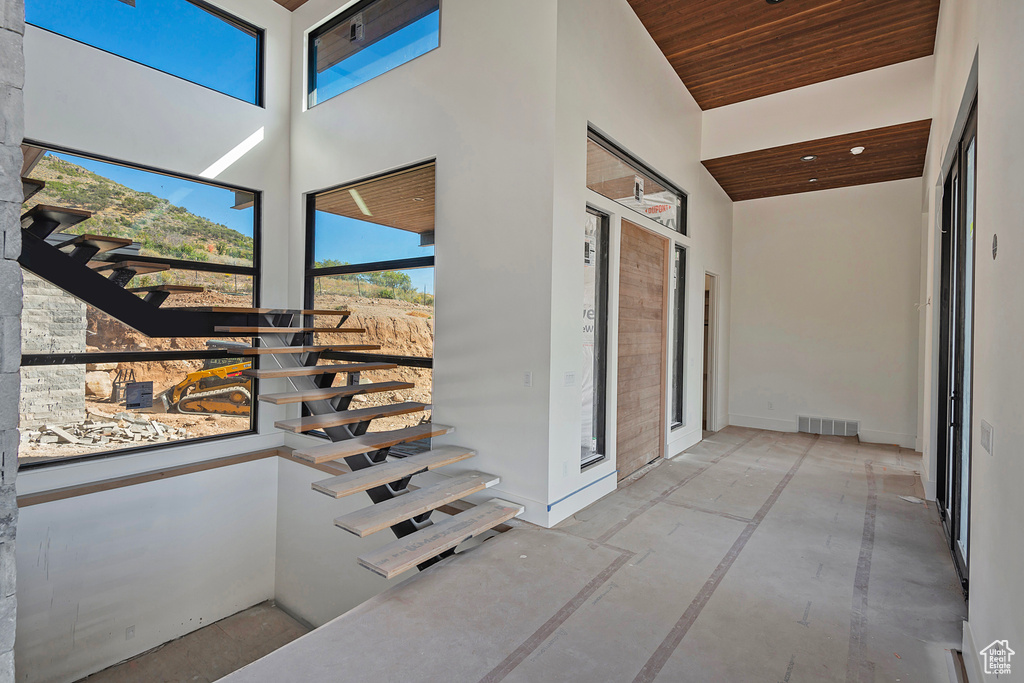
{"type": "Point", "coordinates": [727, 51]}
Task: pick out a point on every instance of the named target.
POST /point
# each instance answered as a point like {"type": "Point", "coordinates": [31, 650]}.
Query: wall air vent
{"type": "Point", "coordinates": [827, 426]}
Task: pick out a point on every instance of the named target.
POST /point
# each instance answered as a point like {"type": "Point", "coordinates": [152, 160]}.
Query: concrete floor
{"type": "Point", "coordinates": [211, 652]}
{"type": "Point", "coordinates": [754, 556]}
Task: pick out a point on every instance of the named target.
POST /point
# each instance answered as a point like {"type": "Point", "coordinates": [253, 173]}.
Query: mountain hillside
{"type": "Point", "coordinates": [162, 229]}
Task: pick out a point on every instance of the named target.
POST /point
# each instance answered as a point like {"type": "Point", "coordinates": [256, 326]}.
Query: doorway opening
{"type": "Point", "coordinates": [956, 348]}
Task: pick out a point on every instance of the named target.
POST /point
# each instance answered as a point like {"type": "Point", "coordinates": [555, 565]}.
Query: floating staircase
{"type": "Point", "coordinates": [286, 337]}
{"type": "Point", "coordinates": [396, 504]}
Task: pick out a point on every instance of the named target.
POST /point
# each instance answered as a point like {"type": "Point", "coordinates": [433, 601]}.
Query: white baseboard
{"type": "Point", "coordinates": [902, 440]}
{"type": "Point", "coordinates": [930, 487]}
{"type": "Point", "coordinates": [972, 657]}
{"type": "Point", "coordinates": [771, 424]}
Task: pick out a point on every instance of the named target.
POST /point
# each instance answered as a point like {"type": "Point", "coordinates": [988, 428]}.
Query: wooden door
{"type": "Point", "coordinates": [643, 315]}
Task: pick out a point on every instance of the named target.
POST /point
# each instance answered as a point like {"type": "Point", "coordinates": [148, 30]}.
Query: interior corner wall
{"type": "Point", "coordinates": [482, 105]}
{"type": "Point", "coordinates": [992, 28]}
{"type": "Point", "coordinates": [824, 309]}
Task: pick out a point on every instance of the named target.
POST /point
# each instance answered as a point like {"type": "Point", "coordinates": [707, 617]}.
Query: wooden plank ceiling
{"type": "Point", "coordinates": [890, 153]}
{"type": "Point", "coordinates": [291, 5]}
{"type": "Point", "coordinates": [403, 200]}
{"type": "Point", "coordinates": [727, 51]}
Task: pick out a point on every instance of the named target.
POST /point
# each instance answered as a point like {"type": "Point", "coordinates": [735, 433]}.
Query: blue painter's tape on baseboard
{"type": "Point", "coordinates": [551, 505]}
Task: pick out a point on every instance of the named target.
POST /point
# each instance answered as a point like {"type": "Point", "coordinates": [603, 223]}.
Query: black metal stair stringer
{"type": "Point", "coordinates": [60, 269]}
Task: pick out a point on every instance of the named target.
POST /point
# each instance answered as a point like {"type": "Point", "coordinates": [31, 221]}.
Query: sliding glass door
{"type": "Point", "coordinates": [956, 351]}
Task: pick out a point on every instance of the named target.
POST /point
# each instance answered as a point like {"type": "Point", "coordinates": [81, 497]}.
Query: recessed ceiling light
{"type": "Point", "coordinates": [417, 199]}
{"type": "Point", "coordinates": [773, 2]}
{"type": "Point", "coordinates": [809, 157]}
{"type": "Point", "coordinates": [856, 150]}
{"type": "Point", "coordinates": [813, 180]}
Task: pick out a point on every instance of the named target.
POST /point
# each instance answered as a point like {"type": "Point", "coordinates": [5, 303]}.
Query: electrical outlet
{"type": "Point", "coordinates": [570, 379]}
{"type": "Point", "coordinates": [771, 406]}
{"type": "Point", "coordinates": [129, 633]}
{"type": "Point", "coordinates": [527, 379]}
{"type": "Point", "coordinates": [565, 469]}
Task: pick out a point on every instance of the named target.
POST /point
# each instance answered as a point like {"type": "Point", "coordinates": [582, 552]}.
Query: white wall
{"type": "Point", "coordinates": [612, 75]}
{"type": "Point", "coordinates": [482, 104]}
{"type": "Point", "coordinates": [317, 577]}
{"type": "Point", "coordinates": [824, 317]}
{"type": "Point", "coordinates": [163, 558]}
{"type": "Point", "coordinates": [893, 94]}
{"type": "Point", "coordinates": [168, 556]}
{"type": "Point", "coordinates": [993, 28]}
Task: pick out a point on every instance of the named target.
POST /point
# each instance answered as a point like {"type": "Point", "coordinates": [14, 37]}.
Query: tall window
{"type": "Point", "coordinates": [80, 365]}
{"type": "Point", "coordinates": [613, 173]}
{"type": "Point", "coordinates": [595, 344]}
{"type": "Point", "coordinates": [186, 38]}
{"type": "Point", "coordinates": [367, 40]}
{"type": "Point", "coordinates": [370, 250]}
{"type": "Point", "coordinates": [678, 335]}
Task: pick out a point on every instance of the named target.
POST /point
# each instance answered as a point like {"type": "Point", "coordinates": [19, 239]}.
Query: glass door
{"type": "Point", "coordinates": [957, 348]}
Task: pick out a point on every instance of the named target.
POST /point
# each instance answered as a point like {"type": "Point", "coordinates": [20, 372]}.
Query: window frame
{"type": "Point", "coordinates": [677, 418]}
{"type": "Point", "coordinates": [259, 95]}
{"type": "Point", "coordinates": [601, 335]}
{"type": "Point", "coordinates": [82, 358]}
{"type": "Point", "coordinates": [601, 140]}
{"type": "Point", "coordinates": [330, 24]}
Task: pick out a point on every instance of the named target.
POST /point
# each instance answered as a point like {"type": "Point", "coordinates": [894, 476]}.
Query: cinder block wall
{"type": "Point", "coordinates": [54, 322]}
{"type": "Point", "coordinates": [12, 127]}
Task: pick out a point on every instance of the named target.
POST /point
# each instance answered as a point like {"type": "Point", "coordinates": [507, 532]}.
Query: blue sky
{"type": "Point", "coordinates": [353, 241]}
{"type": "Point", "coordinates": [201, 47]}
{"type": "Point", "coordinates": [402, 46]}
{"type": "Point", "coordinates": [203, 200]}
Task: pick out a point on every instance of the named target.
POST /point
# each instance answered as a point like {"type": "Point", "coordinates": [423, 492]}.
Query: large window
{"type": "Point", "coordinates": [370, 251]}
{"type": "Point", "coordinates": [82, 368]}
{"type": "Point", "coordinates": [367, 40]}
{"type": "Point", "coordinates": [614, 174]}
{"type": "Point", "coordinates": [186, 38]}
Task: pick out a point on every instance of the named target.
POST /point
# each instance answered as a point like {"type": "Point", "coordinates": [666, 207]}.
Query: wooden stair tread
{"type": "Point", "coordinates": [168, 288]}
{"type": "Point", "coordinates": [334, 392]}
{"type": "Point", "coordinates": [102, 242]}
{"type": "Point", "coordinates": [347, 417]}
{"type": "Point", "coordinates": [391, 471]}
{"type": "Point", "coordinates": [66, 216]}
{"type": "Point", "coordinates": [288, 330]}
{"type": "Point", "coordinates": [311, 370]}
{"type": "Point", "coordinates": [29, 187]}
{"type": "Point", "coordinates": [271, 350]}
{"type": "Point", "coordinates": [373, 441]}
{"type": "Point", "coordinates": [140, 267]}
{"type": "Point", "coordinates": [374, 518]}
{"type": "Point", "coordinates": [398, 556]}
